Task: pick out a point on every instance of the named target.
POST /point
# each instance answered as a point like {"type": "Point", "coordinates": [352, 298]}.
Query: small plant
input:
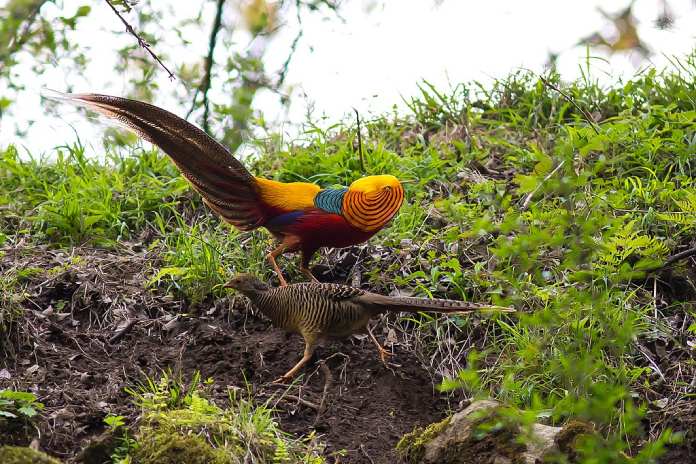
{"type": "Point", "coordinates": [125, 444]}
{"type": "Point", "coordinates": [18, 412]}
{"type": "Point", "coordinates": [19, 405]}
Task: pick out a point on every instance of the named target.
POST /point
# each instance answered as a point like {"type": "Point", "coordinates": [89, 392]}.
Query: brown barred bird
{"type": "Point", "coordinates": [302, 216]}
{"type": "Point", "coordinates": [320, 310]}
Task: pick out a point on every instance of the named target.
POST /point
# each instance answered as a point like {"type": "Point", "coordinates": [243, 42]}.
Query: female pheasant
{"type": "Point", "coordinates": [302, 216]}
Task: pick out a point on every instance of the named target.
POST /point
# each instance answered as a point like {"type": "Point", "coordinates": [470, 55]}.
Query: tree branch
{"type": "Point", "coordinates": [140, 40]}
{"type": "Point", "coordinates": [20, 38]}
{"type": "Point", "coordinates": [207, 77]}
{"type": "Point", "coordinates": [284, 69]}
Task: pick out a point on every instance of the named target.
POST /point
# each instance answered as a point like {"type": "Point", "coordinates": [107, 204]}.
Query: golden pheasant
{"type": "Point", "coordinates": [321, 310]}
{"type": "Point", "coordinates": [302, 216]}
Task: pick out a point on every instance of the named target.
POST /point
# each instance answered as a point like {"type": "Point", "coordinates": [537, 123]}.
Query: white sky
{"type": "Point", "coordinates": [373, 59]}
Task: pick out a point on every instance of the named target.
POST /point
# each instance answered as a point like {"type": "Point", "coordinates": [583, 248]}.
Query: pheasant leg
{"type": "Point", "coordinates": [383, 354]}
{"type": "Point", "coordinates": [308, 351]}
{"type": "Point", "coordinates": [272, 256]}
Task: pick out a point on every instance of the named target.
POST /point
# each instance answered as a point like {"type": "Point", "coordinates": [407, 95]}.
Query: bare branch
{"type": "Point", "coordinates": [284, 69]}
{"type": "Point", "coordinates": [19, 39]}
{"type": "Point", "coordinates": [588, 117]}
{"type": "Point", "coordinates": [207, 77]}
{"type": "Point", "coordinates": [141, 41]}
{"type": "Point", "coordinates": [204, 86]}
{"type": "Point", "coordinates": [360, 146]}
{"type": "Point", "coordinates": [673, 259]}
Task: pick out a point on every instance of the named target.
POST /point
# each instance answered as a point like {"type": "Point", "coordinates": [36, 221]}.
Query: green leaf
{"type": "Point", "coordinates": [84, 10]}
{"type": "Point", "coordinates": [28, 411]}
{"type": "Point", "coordinates": [18, 396]}
{"type": "Point", "coordinates": [527, 183]}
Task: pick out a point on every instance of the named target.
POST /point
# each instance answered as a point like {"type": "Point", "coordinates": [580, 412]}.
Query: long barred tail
{"type": "Point", "coordinates": [414, 305]}
{"type": "Point", "coordinates": [225, 184]}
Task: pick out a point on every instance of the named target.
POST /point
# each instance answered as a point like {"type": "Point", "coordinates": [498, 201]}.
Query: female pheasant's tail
{"type": "Point", "coordinates": [225, 184]}
{"type": "Point", "coordinates": [415, 305]}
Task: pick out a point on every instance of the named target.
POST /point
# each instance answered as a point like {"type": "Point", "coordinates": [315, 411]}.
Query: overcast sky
{"type": "Point", "coordinates": [379, 54]}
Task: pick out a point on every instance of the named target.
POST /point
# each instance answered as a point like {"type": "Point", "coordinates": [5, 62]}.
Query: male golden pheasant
{"type": "Point", "coordinates": [302, 216]}
{"type": "Point", "coordinates": [320, 310]}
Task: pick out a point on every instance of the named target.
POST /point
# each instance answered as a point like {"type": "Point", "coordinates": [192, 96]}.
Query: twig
{"type": "Point", "coordinates": [364, 451]}
{"type": "Point", "coordinates": [530, 195]}
{"type": "Point", "coordinates": [121, 333]}
{"type": "Point", "coordinates": [141, 41]}
{"type": "Point", "coordinates": [588, 117]}
{"type": "Point", "coordinates": [654, 365]}
{"type": "Point", "coordinates": [328, 383]}
{"type": "Point", "coordinates": [18, 40]}
{"type": "Point", "coordinates": [360, 147]}
{"type": "Point", "coordinates": [303, 401]}
{"type": "Point", "coordinates": [673, 259]}
{"type": "Point", "coordinates": [207, 77]}
{"type": "Point", "coordinates": [284, 69]}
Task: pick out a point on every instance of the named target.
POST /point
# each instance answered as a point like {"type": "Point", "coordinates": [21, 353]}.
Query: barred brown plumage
{"type": "Point", "coordinates": [321, 310]}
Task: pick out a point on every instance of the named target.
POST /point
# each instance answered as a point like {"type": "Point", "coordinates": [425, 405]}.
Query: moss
{"type": "Point", "coordinates": [412, 445]}
{"type": "Point", "coordinates": [20, 455]}
{"type": "Point", "coordinates": [491, 435]}
{"type": "Point", "coordinates": [567, 438]}
{"type": "Point", "coordinates": [156, 447]}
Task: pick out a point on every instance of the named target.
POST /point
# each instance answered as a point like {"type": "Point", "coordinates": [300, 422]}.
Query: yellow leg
{"type": "Point", "coordinates": [310, 344]}
{"type": "Point", "coordinates": [272, 256]}
{"type": "Point", "coordinates": [383, 354]}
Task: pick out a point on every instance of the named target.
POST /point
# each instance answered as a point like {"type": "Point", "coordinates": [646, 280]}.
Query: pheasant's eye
{"type": "Point", "coordinates": [387, 188]}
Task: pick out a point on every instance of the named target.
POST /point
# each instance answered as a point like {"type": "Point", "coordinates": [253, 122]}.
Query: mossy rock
{"type": "Point", "coordinates": [21, 455]}
{"type": "Point", "coordinates": [412, 445]}
{"type": "Point", "coordinates": [460, 439]}
{"type": "Point", "coordinates": [567, 439]}
{"type": "Point", "coordinates": [171, 448]}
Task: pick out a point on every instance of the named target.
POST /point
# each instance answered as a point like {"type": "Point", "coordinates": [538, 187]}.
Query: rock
{"type": "Point", "coordinates": [481, 434]}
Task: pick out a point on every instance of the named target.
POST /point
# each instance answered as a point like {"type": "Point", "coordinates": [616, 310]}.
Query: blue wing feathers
{"type": "Point", "coordinates": [330, 200]}
{"type": "Point", "coordinates": [285, 219]}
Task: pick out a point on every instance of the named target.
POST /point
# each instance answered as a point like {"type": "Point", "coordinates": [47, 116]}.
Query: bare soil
{"type": "Point", "coordinates": [90, 328]}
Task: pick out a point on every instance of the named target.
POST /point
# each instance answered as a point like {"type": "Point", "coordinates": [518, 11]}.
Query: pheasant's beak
{"type": "Point", "coordinates": [409, 181]}
{"type": "Point", "coordinates": [228, 285]}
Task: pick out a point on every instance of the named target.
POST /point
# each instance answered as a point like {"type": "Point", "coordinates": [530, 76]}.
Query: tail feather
{"type": "Point", "coordinates": [225, 184]}
{"type": "Point", "coordinates": [415, 305]}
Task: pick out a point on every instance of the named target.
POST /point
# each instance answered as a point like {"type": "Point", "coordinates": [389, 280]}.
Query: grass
{"type": "Point", "coordinates": [76, 200]}
{"type": "Point", "coordinates": [518, 201]}
{"type": "Point", "coordinates": [176, 413]}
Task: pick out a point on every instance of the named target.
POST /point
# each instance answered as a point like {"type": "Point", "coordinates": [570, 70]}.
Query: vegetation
{"type": "Point", "coordinates": [19, 455]}
{"type": "Point", "coordinates": [566, 205]}
{"type": "Point", "coordinates": [19, 412]}
{"type": "Point", "coordinates": [179, 424]}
